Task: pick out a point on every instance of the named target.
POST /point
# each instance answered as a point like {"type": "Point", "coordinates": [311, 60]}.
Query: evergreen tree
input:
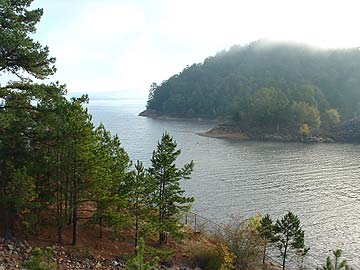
{"type": "Point", "coordinates": [266, 231]}
{"type": "Point", "coordinates": [138, 262]}
{"type": "Point", "coordinates": [110, 171]}
{"type": "Point", "coordinates": [81, 157]}
{"type": "Point", "coordinates": [19, 52]}
{"type": "Point", "coordinates": [288, 235]}
{"type": "Point", "coordinates": [19, 118]}
{"type": "Point", "coordinates": [336, 264]}
{"type": "Point", "coordinates": [169, 197]}
{"type": "Point", "coordinates": [140, 187]}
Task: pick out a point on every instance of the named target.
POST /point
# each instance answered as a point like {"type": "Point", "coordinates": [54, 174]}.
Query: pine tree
{"type": "Point", "coordinates": [20, 55]}
{"type": "Point", "coordinates": [266, 231]}
{"type": "Point", "coordinates": [81, 158]}
{"type": "Point", "coordinates": [336, 264]}
{"type": "Point", "coordinates": [168, 197]}
{"type": "Point", "coordinates": [110, 171]}
{"type": "Point", "coordinates": [19, 52]}
{"type": "Point", "coordinates": [140, 188]}
{"type": "Point", "coordinates": [138, 262]}
{"type": "Point", "coordinates": [288, 234]}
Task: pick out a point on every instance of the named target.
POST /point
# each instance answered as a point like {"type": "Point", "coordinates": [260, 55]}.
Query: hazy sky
{"type": "Point", "coordinates": [124, 46]}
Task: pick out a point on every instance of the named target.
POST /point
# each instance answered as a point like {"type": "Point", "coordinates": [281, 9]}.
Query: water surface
{"type": "Point", "coordinates": [318, 182]}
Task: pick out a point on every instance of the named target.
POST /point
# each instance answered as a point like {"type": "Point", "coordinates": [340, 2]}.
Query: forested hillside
{"type": "Point", "coordinates": [55, 163]}
{"type": "Point", "coordinates": [266, 83]}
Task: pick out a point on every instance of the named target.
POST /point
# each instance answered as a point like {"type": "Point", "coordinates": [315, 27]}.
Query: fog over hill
{"type": "Point", "coordinates": [232, 82]}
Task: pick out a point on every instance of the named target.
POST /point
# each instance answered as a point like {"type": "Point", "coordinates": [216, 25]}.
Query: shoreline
{"type": "Point", "coordinates": [220, 135]}
{"type": "Point", "coordinates": [154, 115]}
{"type": "Point", "coordinates": [264, 137]}
{"type": "Point", "coordinates": [226, 130]}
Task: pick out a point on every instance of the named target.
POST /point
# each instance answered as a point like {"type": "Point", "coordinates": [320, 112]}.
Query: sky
{"type": "Point", "coordinates": [120, 46]}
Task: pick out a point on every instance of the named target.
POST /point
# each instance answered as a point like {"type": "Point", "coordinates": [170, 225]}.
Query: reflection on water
{"type": "Point", "coordinates": [318, 182]}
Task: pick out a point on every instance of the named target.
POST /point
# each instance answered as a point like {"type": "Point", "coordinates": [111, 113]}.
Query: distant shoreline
{"type": "Point", "coordinates": [154, 115]}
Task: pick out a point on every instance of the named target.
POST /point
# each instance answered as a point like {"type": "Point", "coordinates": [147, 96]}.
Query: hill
{"type": "Point", "coordinates": [266, 84]}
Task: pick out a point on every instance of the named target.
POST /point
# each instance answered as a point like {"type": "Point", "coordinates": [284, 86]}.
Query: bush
{"type": "Point", "coordinates": [244, 241]}
{"type": "Point", "coordinates": [138, 262]}
{"type": "Point", "coordinates": [211, 254]}
{"type": "Point", "coordinates": [41, 260]}
{"type": "Point", "coordinates": [207, 258]}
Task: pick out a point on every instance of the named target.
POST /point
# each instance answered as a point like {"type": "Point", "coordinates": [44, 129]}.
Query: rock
{"type": "Point", "coordinates": [10, 247]}
{"type": "Point", "coordinates": [2, 267]}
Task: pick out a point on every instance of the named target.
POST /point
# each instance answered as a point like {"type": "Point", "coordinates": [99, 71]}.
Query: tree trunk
{"type": "Point", "coordinates": [59, 199]}
{"type": "Point", "coordinates": [136, 233]}
{"type": "Point", "coordinates": [74, 220]}
{"type": "Point", "coordinates": [264, 254]}
{"type": "Point", "coordinates": [284, 257]}
{"type": "Point", "coordinates": [70, 209]}
{"type": "Point", "coordinates": [58, 219]}
{"type": "Point", "coordinates": [75, 207]}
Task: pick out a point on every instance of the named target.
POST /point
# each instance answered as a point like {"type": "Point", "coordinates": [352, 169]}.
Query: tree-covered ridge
{"type": "Point", "coordinates": [266, 82]}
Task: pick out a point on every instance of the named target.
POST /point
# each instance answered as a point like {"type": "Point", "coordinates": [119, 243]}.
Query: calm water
{"type": "Point", "coordinates": [318, 182]}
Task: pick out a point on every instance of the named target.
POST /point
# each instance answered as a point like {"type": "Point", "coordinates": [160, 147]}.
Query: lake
{"type": "Point", "coordinates": [318, 182]}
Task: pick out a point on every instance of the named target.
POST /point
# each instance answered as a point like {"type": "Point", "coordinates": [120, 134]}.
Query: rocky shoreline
{"type": "Point", "coordinates": [234, 132]}
{"type": "Point", "coordinates": [347, 132]}
{"type": "Point", "coordinates": [219, 132]}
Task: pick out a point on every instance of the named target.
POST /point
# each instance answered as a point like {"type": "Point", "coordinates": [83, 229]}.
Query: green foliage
{"type": "Point", "coordinates": [263, 83]}
{"type": "Point", "coordinates": [168, 196]}
{"type": "Point", "coordinates": [52, 156]}
{"type": "Point", "coordinates": [336, 264]}
{"type": "Point", "coordinates": [109, 172]}
{"type": "Point", "coordinates": [303, 113]}
{"type": "Point", "coordinates": [140, 188]}
{"type": "Point", "coordinates": [266, 230]}
{"type": "Point", "coordinates": [208, 258]}
{"type": "Point", "coordinates": [41, 260]}
{"type": "Point", "coordinates": [164, 255]}
{"type": "Point", "coordinates": [288, 236]}
{"type": "Point", "coordinates": [268, 106]}
{"type": "Point", "coordinates": [138, 262]}
{"type": "Point", "coordinates": [19, 52]}
{"type": "Point", "coordinates": [331, 118]}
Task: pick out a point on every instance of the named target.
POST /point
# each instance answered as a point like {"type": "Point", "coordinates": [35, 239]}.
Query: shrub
{"type": "Point", "coordinates": [244, 242]}
{"type": "Point", "coordinates": [207, 258]}
{"type": "Point", "coordinates": [336, 263]}
{"type": "Point", "coordinates": [138, 262]}
{"type": "Point", "coordinates": [41, 260]}
{"type": "Point", "coordinates": [211, 254]}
